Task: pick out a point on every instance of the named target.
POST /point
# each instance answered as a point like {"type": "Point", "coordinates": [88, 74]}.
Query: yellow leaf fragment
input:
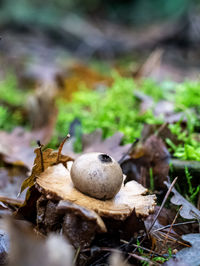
{"type": "Point", "coordinates": [49, 158]}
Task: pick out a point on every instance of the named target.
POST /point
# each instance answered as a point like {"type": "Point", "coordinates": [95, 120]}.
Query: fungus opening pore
{"type": "Point", "coordinates": [104, 158]}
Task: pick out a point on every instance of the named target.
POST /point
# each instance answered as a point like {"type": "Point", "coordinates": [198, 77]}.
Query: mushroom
{"type": "Point", "coordinates": [59, 205]}
{"type": "Point", "coordinates": [97, 175]}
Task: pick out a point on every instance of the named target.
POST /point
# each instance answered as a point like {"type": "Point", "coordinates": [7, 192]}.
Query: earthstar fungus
{"type": "Point", "coordinates": [56, 183]}
{"type": "Point", "coordinates": [60, 205]}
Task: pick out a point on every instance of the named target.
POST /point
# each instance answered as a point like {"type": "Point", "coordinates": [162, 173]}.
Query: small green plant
{"type": "Point", "coordinates": [189, 148]}
{"type": "Point", "coordinates": [151, 179]}
{"type": "Point", "coordinates": [4, 116]}
{"type": "Point", "coordinates": [157, 258]}
{"type": "Point", "coordinates": [193, 192]}
{"type": "Point", "coordinates": [141, 251]}
{"type": "Point", "coordinates": [11, 99]}
{"type": "Point", "coordinates": [169, 253]}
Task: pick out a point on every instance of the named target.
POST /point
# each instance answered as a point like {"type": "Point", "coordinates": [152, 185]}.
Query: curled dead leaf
{"type": "Point", "coordinates": [190, 255]}
{"type": "Point", "coordinates": [49, 157]}
{"type": "Point", "coordinates": [79, 74]}
{"type": "Point", "coordinates": [188, 211]}
{"type": "Point", "coordinates": [151, 156]}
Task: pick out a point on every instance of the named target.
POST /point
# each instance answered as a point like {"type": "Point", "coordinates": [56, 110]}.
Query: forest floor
{"type": "Point", "coordinates": [132, 95]}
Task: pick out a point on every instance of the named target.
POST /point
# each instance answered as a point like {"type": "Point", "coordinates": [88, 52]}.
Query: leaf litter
{"type": "Point", "coordinates": [82, 219]}
{"type": "Point", "coordinates": [94, 142]}
{"type": "Point", "coordinates": [188, 211]}
{"type": "Point", "coordinates": [85, 224]}
{"type": "Point", "coordinates": [17, 147]}
{"type": "Point", "coordinates": [49, 157]}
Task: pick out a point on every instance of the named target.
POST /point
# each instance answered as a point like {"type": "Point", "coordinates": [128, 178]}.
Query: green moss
{"type": "Point", "coordinates": [115, 109]}
{"type": "Point", "coordinates": [4, 116]}
{"type": "Point", "coordinates": [12, 100]}
{"type": "Point", "coordinates": [9, 91]}
{"type": "Point", "coordinates": [152, 89]}
{"type": "Point", "coordinates": [9, 120]}
{"type": "Point", "coordinates": [188, 94]}
{"type": "Point", "coordinates": [189, 148]}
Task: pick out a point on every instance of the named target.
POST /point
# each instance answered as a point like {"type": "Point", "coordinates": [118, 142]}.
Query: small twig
{"type": "Point", "coordinates": [76, 255]}
{"type": "Point", "coordinates": [163, 203]}
{"type": "Point", "coordinates": [140, 258]}
{"type": "Point", "coordinates": [173, 239]}
{"type": "Point", "coordinates": [129, 150]}
{"type": "Point", "coordinates": [135, 249]}
{"type": "Point", "coordinates": [11, 201]}
{"type": "Point", "coordinates": [178, 224]}
{"type": "Point", "coordinates": [145, 249]}
{"type": "Point", "coordinates": [61, 146]}
{"type": "Point", "coordinates": [161, 128]}
{"type": "Point", "coordinates": [41, 155]}
{"type": "Point", "coordinates": [172, 225]}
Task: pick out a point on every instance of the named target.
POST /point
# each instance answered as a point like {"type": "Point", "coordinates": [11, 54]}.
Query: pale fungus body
{"type": "Point", "coordinates": [97, 175]}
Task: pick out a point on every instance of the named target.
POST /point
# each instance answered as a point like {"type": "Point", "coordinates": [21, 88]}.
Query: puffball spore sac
{"type": "Point", "coordinates": [97, 175]}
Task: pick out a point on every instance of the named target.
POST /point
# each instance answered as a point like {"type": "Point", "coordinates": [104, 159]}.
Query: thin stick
{"type": "Point", "coordinates": [163, 203]}
{"type": "Point", "coordinates": [161, 128]}
{"type": "Point", "coordinates": [178, 224]}
{"type": "Point", "coordinates": [76, 255]}
{"type": "Point", "coordinates": [174, 239]}
{"type": "Point", "coordinates": [41, 155]}
{"type": "Point", "coordinates": [11, 201]}
{"type": "Point", "coordinates": [129, 150]}
{"type": "Point", "coordinates": [145, 249]}
{"type": "Point", "coordinates": [61, 146]}
{"type": "Point", "coordinates": [172, 225]}
{"type": "Point", "coordinates": [140, 258]}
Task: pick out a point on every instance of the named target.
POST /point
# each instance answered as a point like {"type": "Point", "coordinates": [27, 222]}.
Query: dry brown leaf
{"type": "Point", "coordinates": [188, 211]}
{"type": "Point", "coordinates": [94, 142]}
{"type": "Point", "coordinates": [55, 182]}
{"type": "Point", "coordinates": [41, 107]}
{"type": "Point", "coordinates": [77, 75]}
{"type": "Point", "coordinates": [49, 158]}
{"type": "Point", "coordinates": [11, 180]}
{"type": "Point", "coordinates": [163, 237]}
{"type": "Point", "coordinates": [16, 147]}
{"type": "Point", "coordinates": [152, 154]}
{"type": "Point", "coordinates": [152, 62]}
